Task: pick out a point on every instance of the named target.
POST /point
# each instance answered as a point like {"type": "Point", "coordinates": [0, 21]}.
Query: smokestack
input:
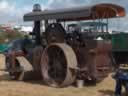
{"type": "Point", "coordinates": [36, 8]}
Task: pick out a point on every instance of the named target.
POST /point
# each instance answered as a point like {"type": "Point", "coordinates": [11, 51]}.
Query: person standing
{"type": "Point", "coordinates": [121, 77]}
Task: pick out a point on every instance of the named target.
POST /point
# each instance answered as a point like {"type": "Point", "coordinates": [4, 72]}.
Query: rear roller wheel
{"type": "Point", "coordinates": [58, 65]}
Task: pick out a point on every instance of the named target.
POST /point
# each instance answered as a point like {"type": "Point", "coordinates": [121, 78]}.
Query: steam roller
{"type": "Point", "coordinates": [59, 65]}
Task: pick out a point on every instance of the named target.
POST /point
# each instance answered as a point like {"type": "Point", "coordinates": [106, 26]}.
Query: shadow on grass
{"type": "Point", "coordinates": [109, 93]}
{"type": "Point", "coordinates": [4, 77]}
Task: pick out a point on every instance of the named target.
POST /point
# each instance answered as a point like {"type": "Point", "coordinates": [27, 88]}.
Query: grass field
{"type": "Point", "coordinates": [35, 88]}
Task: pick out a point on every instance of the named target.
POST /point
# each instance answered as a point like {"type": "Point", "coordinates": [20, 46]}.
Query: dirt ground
{"type": "Point", "coordinates": [35, 88]}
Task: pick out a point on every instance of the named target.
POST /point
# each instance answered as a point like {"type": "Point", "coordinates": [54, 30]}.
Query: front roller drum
{"type": "Point", "coordinates": [59, 64]}
{"type": "Point", "coordinates": [21, 69]}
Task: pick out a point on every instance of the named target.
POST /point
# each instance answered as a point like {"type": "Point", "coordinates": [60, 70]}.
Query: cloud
{"type": "Point", "coordinates": [13, 10]}
{"type": "Point", "coordinates": [119, 24]}
{"type": "Point", "coordinates": [10, 13]}
{"type": "Point", "coordinates": [69, 3]}
{"type": "Point", "coordinates": [5, 7]}
{"type": "Point", "coordinates": [66, 3]}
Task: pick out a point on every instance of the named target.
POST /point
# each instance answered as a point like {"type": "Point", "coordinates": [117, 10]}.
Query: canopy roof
{"type": "Point", "coordinates": [81, 13]}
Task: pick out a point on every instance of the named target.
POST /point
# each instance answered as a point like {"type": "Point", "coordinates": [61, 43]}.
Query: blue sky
{"type": "Point", "coordinates": [12, 11]}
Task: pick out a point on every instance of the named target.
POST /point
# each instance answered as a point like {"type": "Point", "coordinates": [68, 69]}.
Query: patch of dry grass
{"type": "Point", "coordinates": [16, 88]}
{"type": "Point", "coordinates": [2, 62]}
